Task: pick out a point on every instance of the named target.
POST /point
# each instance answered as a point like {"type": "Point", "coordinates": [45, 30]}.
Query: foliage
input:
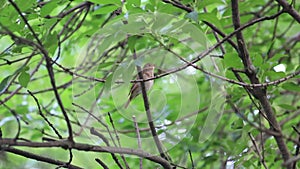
{"type": "Point", "coordinates": [226, 91]}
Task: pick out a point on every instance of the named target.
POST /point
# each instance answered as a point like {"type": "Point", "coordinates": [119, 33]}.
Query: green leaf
{"type": "Point", "coordinates": [25, 6]}
{"type": "Point", "coordinates": [108, 83]}
{"type": "Point", "coordinates": [48, 8]}
{"type": "Point", "coordinates": [17, 49]}
{"type": "Point", "coordinates": [21, 69]}
{"type": "Point", "coordinates": [22, 109]}
{"type": "Point", "coordinates": [2, 3]}
{"type": "Point", "coordinates": [256, 59]}
{"type": "Point", "coordinates": [211, 18]}
{"type": "Point", "coordinates": [105, 9]}
{"type": "Point", "coordinates": [287, 107]}
{"type": "Point", "coordinates": [129, 73]}
{"type": "Point", "coordinates": [105, 2]}
{"type": "Point", "coordinates": [134, 2]}
{"type": "Point", "coordinates": [103, 65]}
{"type": "Point", "coordinates": [36, 136]}
{"type": "Point", "coordinates": [26, 68]}
{"type": "Point", "coordinates": [150, 7]}
{"type": "Point", "coordinates": [5, 42]}
{"type": "Point", "coordinates": [51, 42]}
{"type": "Point", "coordinates": [161, 22]}
{"type": "Point", "coordinates": [291, 87]}
{"type": "Point", "coordinates": [131, 42]}
{"type": "Point", "coordinates": [236, 135]}
{"type": "Point", "coordinates": [232, 60]}
{"type": "Point", "coordinates": [133, 6]}
{"type": "Point", "coordinates": [272, 75]}
{"type": "Point", "coordinates": [276, 58]}
{"type": "Point", "coordinates": [204, 3]}
{"type": "Point", "coordinates": [24, 79]}
{"type": "Point", "coordinates": [193, 16]}
{"type": "Point", "coordinates": [4, 83]}
{"type": "Point", "coordinates": [237, 124]}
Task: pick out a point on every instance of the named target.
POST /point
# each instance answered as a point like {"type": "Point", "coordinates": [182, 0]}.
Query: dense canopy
{"type": "Point", "coordinates": [226, 91]}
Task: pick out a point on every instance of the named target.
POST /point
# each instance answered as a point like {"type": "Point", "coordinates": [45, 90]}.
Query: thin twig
{"type": "Point", "coordinates": [118, 139]}
{"type": "Point", "coordinates": [136, 126]}
{"type": "Point", "coordinates": [257, 151]}
{"type": "Point", "coordinates": [191, 157]}
{"type": "Point", "coordinates": [17, 117]}
{"type": "Point", "coordinates": [43, 116]}
{"type": "Point", "coordinates": [103, 138]}
{"type": "Point", "coordinates": [70, 157]}
{"type": "Point", "coordinates": [103, 165]}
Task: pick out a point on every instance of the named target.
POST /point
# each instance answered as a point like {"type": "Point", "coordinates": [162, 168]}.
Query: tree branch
{"type": "Point", "coordinates": [289, 9]}
{"type": "Point", "coordinates": [259, 93]}
{"type": "Point", "coordinates": [48, 65]}
{"type": "Point", "coordinates": [86, 147]}
{"type": "Point", "coordinates": [40, 158]}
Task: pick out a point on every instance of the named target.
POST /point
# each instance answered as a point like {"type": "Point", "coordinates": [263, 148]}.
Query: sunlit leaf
{"type": "Point", "coordinates": [104, 2]}
{"type": "Point", "coordinates": [291, 87]}
{"type": "Point", "coordinates": [24, 79]}
{"type": "Point", "coordinates": [4, 84]}
{"type": "Point", "coordinates": [106, 9]}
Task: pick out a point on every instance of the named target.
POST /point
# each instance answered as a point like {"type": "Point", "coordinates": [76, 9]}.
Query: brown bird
{"type": "Point", "coordinates": [148, 72]}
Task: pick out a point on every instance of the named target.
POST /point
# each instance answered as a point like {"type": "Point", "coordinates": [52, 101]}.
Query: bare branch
{"type": "Point", "coordinates": [289, 9]}
{"type": "Point", "coordinates": [257, 150]}
{"type": "Point", "coordinates": [39, 158]}
{"type": "Point", "coordinates": [43, 116]}
{"type": "Point", "coordinates": [258, 93]}
{"type": "Point", "coordinates": [87, 147]}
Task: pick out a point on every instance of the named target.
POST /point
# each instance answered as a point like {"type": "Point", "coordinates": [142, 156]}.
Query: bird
{"type": "Point", "coordinates": [148, 72]}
